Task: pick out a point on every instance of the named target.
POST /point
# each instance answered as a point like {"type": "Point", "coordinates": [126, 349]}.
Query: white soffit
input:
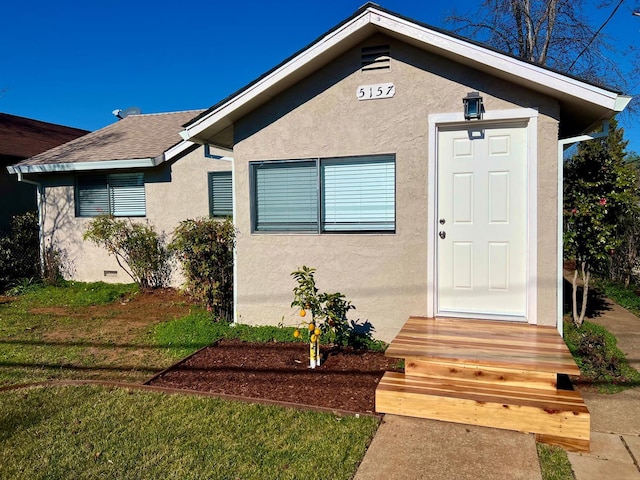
{"type": "Point", "coordinates": [497, 64]}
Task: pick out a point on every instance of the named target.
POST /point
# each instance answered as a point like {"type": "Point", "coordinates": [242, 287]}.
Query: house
{"type": "Point", "coordinates": [356, 156]}
{"type": "Point", "coordinates": [418, 171]}
{"type": "Point", "coordinates": [421, 174]}
{"type": "Point", "coordinates": [22, 138]}
{"type": "Point", "coordinates": [137, 168]}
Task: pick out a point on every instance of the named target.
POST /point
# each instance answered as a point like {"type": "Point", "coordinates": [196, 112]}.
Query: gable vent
{"type": "Point", "coordinates": [376, 58]}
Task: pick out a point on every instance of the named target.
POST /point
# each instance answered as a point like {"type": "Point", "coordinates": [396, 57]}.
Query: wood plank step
{"type": "Point", "coordinates": [558, 417]}
{"type": "Point", "coordinates": [435, 368]}
{"type": "Point", "coordinates": [517, 346]}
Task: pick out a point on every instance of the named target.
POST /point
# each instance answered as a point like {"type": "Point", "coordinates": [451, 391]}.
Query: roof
{"type": "Point", "coordinates": [582, 104]}
{"type": "Point", "coordinates": [135, 141]}
{"type": "Point", "coordinates": [24, 137]}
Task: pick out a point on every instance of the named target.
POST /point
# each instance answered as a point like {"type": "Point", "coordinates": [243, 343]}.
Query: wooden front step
{"type": "Point", "coordinates": [558, 417]}
{"type": "Point", "coordinates": [489, 373]}
{"type": "Point", "coordinates": [418, 367]}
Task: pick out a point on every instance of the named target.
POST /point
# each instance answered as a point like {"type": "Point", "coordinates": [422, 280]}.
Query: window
{"type": "Point", "coordinates": [118, 194]}
{"type": "Point", "coordinates": [220, 194]}
{"type": "Point", "coordinates": [355, 194]}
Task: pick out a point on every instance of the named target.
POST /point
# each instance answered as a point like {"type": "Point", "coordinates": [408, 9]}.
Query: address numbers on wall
{"type": "Point", "coordinates": [373, 92]}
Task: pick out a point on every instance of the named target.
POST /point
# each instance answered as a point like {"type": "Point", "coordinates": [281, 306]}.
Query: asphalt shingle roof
{"type": "Point", "coordinates": [134, 137]}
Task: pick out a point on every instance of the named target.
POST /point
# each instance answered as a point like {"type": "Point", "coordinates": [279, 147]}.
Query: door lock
{"type": "Point", "coordinates": [442, 221]}
{"type": "Point", "coordinates": [442, 234]}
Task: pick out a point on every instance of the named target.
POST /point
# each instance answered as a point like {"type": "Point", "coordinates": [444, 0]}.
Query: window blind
{"type": "Point", "coordinates": [358, 194]}
{"type": "Point", "coordinates": [286, 196]}
{"type": "Point", "coordinates": [220, 194]}
{"type": "Point", "coordinates": [118, 194]}
{"type": "Point", "coordinates": [127, 196]}
{"type": "Point", "coordinates": [92, 196]}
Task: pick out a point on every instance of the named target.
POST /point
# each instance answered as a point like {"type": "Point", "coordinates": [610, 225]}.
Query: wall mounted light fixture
{"type": "Point", "coordinates": [472, 106]}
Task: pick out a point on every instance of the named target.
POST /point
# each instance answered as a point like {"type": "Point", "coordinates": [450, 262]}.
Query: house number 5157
{"type": "Point", "coordinates": [373, 92]}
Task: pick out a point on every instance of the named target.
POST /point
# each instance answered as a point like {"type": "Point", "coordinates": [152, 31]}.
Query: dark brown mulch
{"type": "Point", "coordinates": [279, 371]}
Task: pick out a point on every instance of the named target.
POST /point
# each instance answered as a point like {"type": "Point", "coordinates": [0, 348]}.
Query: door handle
{"type": "Point", "coordinates": [442, 234]}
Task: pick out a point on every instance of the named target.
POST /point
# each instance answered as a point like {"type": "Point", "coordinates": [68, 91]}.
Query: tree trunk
{"type": "Point", "coordinates": [585, 293]}
{"type": "Point", "coordinates": [574, 296]}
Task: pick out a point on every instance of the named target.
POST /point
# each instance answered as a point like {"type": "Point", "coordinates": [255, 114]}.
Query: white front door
{"type": "Point", "coordinates": [482, 222]}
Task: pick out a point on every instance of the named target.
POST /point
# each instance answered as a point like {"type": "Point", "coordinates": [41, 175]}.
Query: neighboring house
{"type": "Point", "coordinates": [137, 168]}
{"type": "Point", "coordinates": [354, 156]}
{"type": "Point", "coordinates": [22, 138]}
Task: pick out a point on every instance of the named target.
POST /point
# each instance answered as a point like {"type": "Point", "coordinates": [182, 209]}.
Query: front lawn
{"type": "Point", "coordinates": [85, 331]}
{"type": "Point", "coordinates": [96, 432]}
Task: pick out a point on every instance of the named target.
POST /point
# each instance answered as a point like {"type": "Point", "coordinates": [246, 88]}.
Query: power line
{"type": "Point", "coordinates": [596, 34]}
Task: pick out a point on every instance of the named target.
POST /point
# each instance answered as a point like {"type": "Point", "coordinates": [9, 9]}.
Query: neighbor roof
{"type": "Point", "coordinates": [582, 104]}
{"type": "Point", "coordinates": [135, 141]}
{"type": "Point", "coordinates": [24, 137]}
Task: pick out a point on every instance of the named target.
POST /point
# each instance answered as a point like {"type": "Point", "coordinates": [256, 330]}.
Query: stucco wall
{"type": "Point", "coordinates": [174, 191]}
{"type": "Point", "coordinates": [385, 275]}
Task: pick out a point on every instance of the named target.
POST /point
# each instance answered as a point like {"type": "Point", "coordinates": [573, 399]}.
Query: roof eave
{"type": "Point", "coordinates": [85, 166]}
{"type": "Point", "coordinates": [371, 19]}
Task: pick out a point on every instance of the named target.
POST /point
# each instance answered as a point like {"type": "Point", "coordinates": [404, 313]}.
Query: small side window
{"type": "Point", "coordinates": [220, 194]}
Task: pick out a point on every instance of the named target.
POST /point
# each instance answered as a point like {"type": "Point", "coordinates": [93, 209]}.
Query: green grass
{"type": "Point", "coordinates": [625, 297]}
{"type": "Point", "coordinates": [554, 463]}
{"type": "Point", "coordinates": [69, 331]}
{"type": "Point", "coordinates": [77, 294]}
{"type": "Point", "coordinates": [600, 361]}
{"type": "Point", "coordinates": [94, 432]}
{"type": "Point", "coordinates": [183, 336]}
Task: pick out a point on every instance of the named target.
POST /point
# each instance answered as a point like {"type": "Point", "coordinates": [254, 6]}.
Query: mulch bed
{"type": "Point", "coordinates": [346, 380]}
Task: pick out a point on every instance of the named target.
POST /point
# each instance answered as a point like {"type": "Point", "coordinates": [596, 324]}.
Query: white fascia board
{"type": "Point", "coordinates": [307, 56]}
{"type": "Point", "coordinates": [175, 151]}
{"type": "Point", "coordinates": [530, 73]}
{"type": "Point", "coordinates": [497, 61]}
{"type": "Point", "coordinates": [85, 166]}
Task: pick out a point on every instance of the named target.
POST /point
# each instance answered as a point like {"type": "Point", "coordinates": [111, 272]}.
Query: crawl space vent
{"type": "Point", "coordinates": [376, 58]}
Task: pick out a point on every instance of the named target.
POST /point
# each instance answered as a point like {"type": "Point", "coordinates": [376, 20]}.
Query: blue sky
{"type": "Point", "coordinates": [73, 62]}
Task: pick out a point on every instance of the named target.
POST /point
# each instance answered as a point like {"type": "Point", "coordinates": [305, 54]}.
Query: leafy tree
{"type": "Point", "coordinates": [600, 195]}
{"type": "Point", "coordinates": [329, 312]}
{"type": "Point", "coordinates": [139, 250]}
{"type": "Point", "coordinates": [205, 248]}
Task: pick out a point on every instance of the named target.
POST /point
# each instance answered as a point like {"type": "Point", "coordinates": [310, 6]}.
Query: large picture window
{"type": "Point", "coordinates": [220, 194]}
{"type": "Point", "coordinates": [117, 194]}
{"type": "Point", "coordinates": [355, 194]}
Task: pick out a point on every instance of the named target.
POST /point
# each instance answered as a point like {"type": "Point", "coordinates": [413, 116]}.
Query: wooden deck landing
{"type": "Point", "coordinates": [496, 374]}
{"type": "Point", "coordinates": [487, 343]}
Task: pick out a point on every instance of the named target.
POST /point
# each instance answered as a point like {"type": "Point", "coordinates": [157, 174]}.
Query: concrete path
{"type": "Point", "coordinates": [407, 448]}
{"type": "Point", "coordinates": [615, 419]}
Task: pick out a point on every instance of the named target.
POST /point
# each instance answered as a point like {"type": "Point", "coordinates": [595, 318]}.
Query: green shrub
{"type": "Point", "coordinates": [136, 245]}
{"type": "Point", "coordinates": [205, 248]}
{"type": "Point", "coordinates": [19, 251]}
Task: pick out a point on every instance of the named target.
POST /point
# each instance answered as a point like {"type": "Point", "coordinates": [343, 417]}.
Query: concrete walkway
{"type": "Point", "coordinates": [407, 448]}
{"type": "Point", "coordinates": [615, 419]}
